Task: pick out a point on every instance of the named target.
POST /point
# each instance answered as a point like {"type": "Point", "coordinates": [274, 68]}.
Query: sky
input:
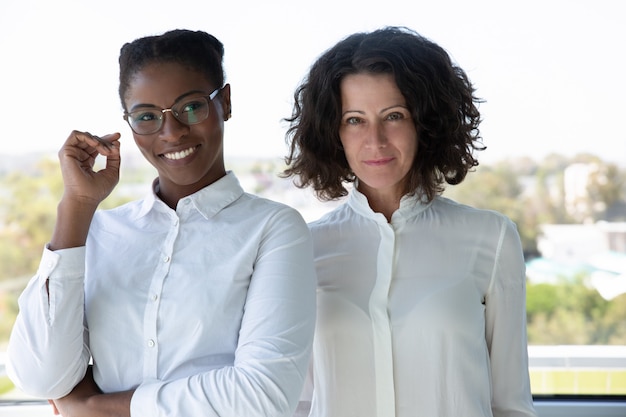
{"type": "Point", "coordinates": [551, 72]}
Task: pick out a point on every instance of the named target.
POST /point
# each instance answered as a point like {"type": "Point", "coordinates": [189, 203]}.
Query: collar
{"type": "Point", "coordinates": [208, 201]}
{"type": "Point", "coordinates": [410, 206]}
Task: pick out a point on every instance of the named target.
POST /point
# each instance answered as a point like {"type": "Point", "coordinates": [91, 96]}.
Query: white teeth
{"type": "Point", "coordinates": [179, 155]}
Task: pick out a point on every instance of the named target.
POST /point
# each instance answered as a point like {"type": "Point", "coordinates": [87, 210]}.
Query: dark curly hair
{"type": "Point", "coordinates": [195, 50]}
{"type": "Point", "coordinates": [437, 92]}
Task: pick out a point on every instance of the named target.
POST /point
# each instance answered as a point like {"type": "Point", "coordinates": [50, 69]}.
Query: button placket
{"type": "Point", "coordinates": [153, 297]}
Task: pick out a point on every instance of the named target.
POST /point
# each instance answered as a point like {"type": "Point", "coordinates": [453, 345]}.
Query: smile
{"type": "Point", "coordinates": [180, 154]}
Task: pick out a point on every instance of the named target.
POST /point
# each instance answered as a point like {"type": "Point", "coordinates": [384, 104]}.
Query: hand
{"type": "Point", "coordinates": [78, 156]}
{"type": "Point", "coordinates": [75, 401]}
{"type": "Point", "coordinates": [86, 400]}
{"type": "Point", "coordinates": [84, 188]}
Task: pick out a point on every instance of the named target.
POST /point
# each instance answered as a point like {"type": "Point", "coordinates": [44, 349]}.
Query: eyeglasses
{"type": "Point", "coordinates": [189, 111]}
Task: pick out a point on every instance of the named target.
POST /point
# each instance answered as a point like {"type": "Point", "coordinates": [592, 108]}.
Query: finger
{"type": "Point", "coordinates": [114, 160]}
{"type": "Point", "coordinates": [80, 139]}
{"type": "Point", "coordinates": [92, 144]}
{"type": "Point", "coordinates": [102, 143]}
{"type": "Point", "coordinates": [107, 140]}
{"type": "Point", "coordinates": [55, 410]}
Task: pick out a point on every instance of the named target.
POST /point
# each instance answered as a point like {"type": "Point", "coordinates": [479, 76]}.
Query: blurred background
{"type": "Point", "coordinates": [550, 72]}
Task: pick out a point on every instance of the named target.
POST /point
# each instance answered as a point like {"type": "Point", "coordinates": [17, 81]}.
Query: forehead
{"type": "Point", "coordinates": [365, 89]}
{"type": "Point", "coordinates": [160, 84]}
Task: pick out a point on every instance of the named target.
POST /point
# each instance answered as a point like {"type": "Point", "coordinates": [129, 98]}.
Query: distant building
{"type": "Point", "coordinates": [576, 179]}
{"type": "Point", "coordinates": [597, 251]}
{"type": "Point", "coordinates": [580, 241]}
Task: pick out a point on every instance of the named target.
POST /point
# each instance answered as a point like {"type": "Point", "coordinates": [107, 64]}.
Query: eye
{"type": "Point", "coordinates": [193, 106]}
{"type": "Point", "coordinates": [144, 116]}
{"type": "Point", "coordinates": [353, 120]}
{"type": "Point", "coordinates": [395, 116]}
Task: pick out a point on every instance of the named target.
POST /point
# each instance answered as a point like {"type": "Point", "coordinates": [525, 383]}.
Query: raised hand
{"type": "Point", "coordinates": [78, 156]}
{"type": "Point", "coordinates": [84, 188]}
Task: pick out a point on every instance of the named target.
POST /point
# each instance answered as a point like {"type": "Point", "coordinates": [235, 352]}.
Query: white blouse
{"type": "Point", "coordinates": [206, 310]}
{"type": "Point", "coordinates": [422, 316]}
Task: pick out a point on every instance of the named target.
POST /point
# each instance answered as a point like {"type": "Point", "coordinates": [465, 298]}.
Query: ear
{"type": "Point", "coordinates": [226, 104]}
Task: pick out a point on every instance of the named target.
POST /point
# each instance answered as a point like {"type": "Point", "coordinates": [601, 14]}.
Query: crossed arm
{"type": "Point", "coordinates": [86, 399]}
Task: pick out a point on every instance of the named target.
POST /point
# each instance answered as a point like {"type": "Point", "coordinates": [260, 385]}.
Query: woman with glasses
{"type": "Point", "coordinates": [421, 300]}
{"type": "Point", "coordinates": [198, 300]}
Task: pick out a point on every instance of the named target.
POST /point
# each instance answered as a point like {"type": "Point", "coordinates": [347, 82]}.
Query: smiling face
{"type": "Point", "coordinates": [378, 135]}
{"type": "Point", "coordinates": [187, 157]}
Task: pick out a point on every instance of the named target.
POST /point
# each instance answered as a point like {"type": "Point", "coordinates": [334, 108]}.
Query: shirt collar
{"type": "Point", "coordinates": [208, 201]}
{"type": "Point", "coordinates": [410, 206]}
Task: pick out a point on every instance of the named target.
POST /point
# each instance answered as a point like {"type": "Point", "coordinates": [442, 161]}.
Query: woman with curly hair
{"type": "Point", "coordinates": [421, 300]}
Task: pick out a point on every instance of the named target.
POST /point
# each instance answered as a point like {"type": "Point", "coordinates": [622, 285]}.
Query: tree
{"type": "Point", "coordinates": [28, 214]}
{"type": "Point", "coordinates": [28, 203]}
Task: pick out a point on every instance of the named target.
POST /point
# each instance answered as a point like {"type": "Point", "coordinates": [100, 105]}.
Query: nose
{"type": "Point", "coordinates": [376, 136]}
{"type": "Point", "coordinates": [172, 129]}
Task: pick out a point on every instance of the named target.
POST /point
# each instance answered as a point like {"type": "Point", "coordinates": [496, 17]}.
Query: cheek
{"type": "Point", "coordinates": [348, 144]}
{"type": "Point", "coordinates": [143, 144]}
{"type": "Point", "coordinates": [411, 143]}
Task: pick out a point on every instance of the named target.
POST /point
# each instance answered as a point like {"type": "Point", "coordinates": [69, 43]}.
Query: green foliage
{"type": "Point", "coordinates": [28, 213]}
{"type": "Point", "coordinates": [5, 384]}
{"type": "Point", "coordinates": [28, 204]}
{"type": "Point", "coordinates": [573, 313]}
{"type": "Point", "coordinates": [8, 313]}
{"type": "Point", "coordinates": [541, 299]}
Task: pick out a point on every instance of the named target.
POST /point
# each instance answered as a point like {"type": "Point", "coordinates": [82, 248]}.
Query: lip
{"type": "Point", "coordinates": [180, 156]}
{"type": "Point", "coordinates": [378, 161]}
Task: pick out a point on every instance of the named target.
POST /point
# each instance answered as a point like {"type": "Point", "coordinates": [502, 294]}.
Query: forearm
{"type": "Point", "coordinates": [99, 405]}
{"type": "Point", "coordinates": [46, 354]}
{"type": "Point", "coordinates": [86, 399]}
{"type": "Point", "coordinates": [72, 225]}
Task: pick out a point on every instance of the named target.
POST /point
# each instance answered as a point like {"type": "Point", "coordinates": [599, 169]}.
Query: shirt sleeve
{"type": "Point", "coordinates": [506, 328]}
{"type": "Point", "coordinates": [274, 344]}
{"type": "Point", "coordinates": [47, 352]}
{"type": "Point", "coordinates": [306, 396]}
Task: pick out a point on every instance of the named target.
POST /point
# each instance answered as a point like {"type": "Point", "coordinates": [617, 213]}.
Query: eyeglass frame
{"type": "Point", "coordinates": [161, 119]}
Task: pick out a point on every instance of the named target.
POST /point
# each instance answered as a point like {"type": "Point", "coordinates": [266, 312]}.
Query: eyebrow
{"type": "Point", "coordinates": [404, 106]}
{"type": "Point", "coordinates": [182, 96]}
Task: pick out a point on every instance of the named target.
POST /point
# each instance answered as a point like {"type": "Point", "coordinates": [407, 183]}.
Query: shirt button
{"type": "Point", "coordinates": [187, 201]}
{"type": "Point", "coordinates": [154, 297]}
{"type": "Point", "coordinates": [166, 258]}
{"type": "Point", "coordinates": [151, 343]}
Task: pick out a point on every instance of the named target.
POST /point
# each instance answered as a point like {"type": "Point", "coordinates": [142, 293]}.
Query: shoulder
{"type": "Point", "coordinates": [341, 214]}
{"type": "Point", "coordinates": [271, 215]}
{"type": "Point", "coordinates": [266, 207]}
{"type": "Point", "coordinates": [468, 214]}
{"type": "Point", "coordinates": [489, 227]}
{"type": "Point", "coordinates": [131, 209]}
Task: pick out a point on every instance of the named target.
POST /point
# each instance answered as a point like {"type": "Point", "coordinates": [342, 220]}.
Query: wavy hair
{"type": "Point", "coordinates": [438, 93]}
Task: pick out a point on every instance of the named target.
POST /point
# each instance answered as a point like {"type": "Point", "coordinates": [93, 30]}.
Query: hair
{"type": "Point", "coordinates": [437, 92]}
{"type": "Point", "coordinates": [195, 50]}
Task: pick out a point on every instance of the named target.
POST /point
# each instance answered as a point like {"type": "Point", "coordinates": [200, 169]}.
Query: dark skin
{"type": "Point", "coordinates": [187, 159]}
{"type": "Point", "coordinates": [162, 85]}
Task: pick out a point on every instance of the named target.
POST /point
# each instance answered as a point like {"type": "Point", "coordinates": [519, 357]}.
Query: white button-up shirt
{"type": "Point", "coordinates": [207, 310]}
{"type": "Point", "coordinates": [420, 316]}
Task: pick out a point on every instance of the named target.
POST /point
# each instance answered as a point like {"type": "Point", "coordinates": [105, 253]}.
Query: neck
{"type": "Point", "coordinates": [172, 195]}
{"type": "Point", "coordinates": [381, 201]}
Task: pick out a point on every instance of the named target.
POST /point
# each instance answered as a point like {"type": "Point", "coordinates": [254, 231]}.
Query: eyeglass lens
{"type": "Point", "coordinates": [150, 120]}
